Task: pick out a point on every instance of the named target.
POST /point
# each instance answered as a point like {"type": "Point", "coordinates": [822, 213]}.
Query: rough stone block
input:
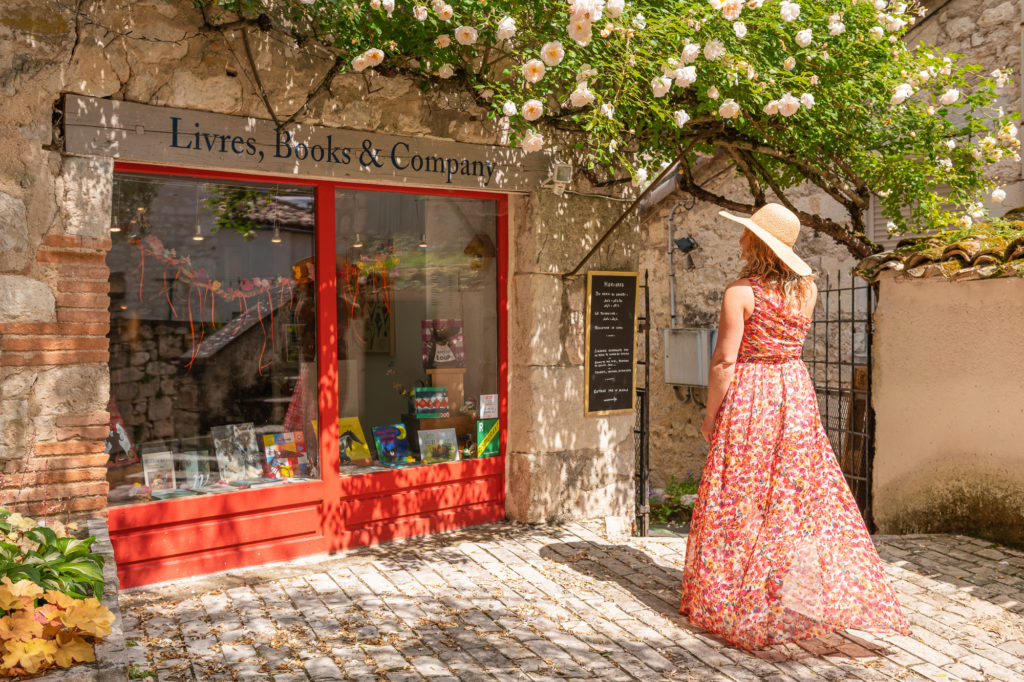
{"type": "Point", "coordinates": [71, 390]}
{"type": "Point", "coordinates": [84, 193]}
{"type": "Point", "coordinates": [26, 300]}
{"type": "Point", "coordinates": [15, 247]}
{"type": "Point", "coordinates": [536, 325]}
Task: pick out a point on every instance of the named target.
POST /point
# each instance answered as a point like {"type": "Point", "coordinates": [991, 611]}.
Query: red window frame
{"type": "Point", "coordinates": [171, 539]}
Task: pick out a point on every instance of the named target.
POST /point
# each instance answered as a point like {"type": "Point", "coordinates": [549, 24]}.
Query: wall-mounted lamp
{"type": "Point", "coordinates": [358, 243]}
{"type": "Point", "coordinates": [687, 244]}
{"type": "Point", "coordinates": [276, 239]}
{"type": "Point", "coordinates": [423, 240]}
{"type": "Point", "coordinates": [197, 236]}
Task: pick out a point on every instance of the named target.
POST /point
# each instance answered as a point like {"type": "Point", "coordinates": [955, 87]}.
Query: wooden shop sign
{"type": "Point", "coordinates": [610, 369]}
{"type": "Point", "coordinates": [139, 132]}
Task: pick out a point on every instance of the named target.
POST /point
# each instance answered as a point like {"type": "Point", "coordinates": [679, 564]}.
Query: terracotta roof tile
{"type": "Point", "coordinates": [959, 255]}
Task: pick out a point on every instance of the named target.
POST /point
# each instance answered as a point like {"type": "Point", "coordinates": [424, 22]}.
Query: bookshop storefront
{"type": "Point", "coordinates": [308, 335]}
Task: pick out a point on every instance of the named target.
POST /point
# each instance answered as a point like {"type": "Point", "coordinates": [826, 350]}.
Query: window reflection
{"type": "Point", "coordinates": [213, 347]}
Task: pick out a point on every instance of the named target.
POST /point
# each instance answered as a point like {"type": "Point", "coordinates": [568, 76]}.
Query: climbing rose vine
{"type": "Point", "coordinates": [820, 91]}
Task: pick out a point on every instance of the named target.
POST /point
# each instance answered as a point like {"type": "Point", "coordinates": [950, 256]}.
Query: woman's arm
{"type": "Point", "coordinates": [737, 305]}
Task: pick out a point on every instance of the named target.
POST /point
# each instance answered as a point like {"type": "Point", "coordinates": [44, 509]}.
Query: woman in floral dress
{"type": "Point", "coordinates": [777, 550]}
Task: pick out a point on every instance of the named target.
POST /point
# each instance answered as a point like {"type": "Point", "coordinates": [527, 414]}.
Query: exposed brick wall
{"type": "Point", "coordinates": [61, 471]}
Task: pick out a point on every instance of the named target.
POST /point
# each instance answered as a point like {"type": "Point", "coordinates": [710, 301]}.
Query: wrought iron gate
{"type": "Point", "coordinates": [838, 357]}
{"type": "Point", "coordinates": [642, 427]}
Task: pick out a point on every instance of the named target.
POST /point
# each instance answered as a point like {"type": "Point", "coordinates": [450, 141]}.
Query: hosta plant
{"type": "Point", "coordinates": [48, 557]}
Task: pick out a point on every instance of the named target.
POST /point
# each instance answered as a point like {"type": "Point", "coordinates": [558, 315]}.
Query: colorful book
{"type": "Point", "coordinates": [431, 402]}
{"type": "Point", "coordinates": [284, 454]}
{"type": "Point", "coordinates": [487, 441]}
{"type": "Point", "coordinates": [442, 344]}
{"type": "Point", "coordinates": [352, 446]}
{"type": "Point", "coordinates": [392, 444]}
{"type": "Point", "coordinates": [438, 445]}
{"type": "Point", "coordinates": [158, 468]}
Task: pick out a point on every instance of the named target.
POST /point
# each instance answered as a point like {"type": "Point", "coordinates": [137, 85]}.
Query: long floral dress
{"type": "Point", "coordinates": [777, 550]}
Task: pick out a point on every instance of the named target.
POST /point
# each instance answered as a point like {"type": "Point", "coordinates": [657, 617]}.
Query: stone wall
{"type": "Point", "coordinates": [56, 209]}
{"type": "Point", "coordinates": [949, 408]}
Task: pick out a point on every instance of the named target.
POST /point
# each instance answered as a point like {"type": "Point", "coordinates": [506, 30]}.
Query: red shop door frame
{"type": "Point", "coordinates": [174, 539]}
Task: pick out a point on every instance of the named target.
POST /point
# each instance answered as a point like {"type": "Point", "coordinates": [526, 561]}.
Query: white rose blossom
{"type": "Point", "coordinates": [640, 177]}
{"type": "Point", "coordinates": [374, 56]}
{"type": "Point", "coordinates": [740, 29]}
{"type": "Point", "coordinates": [509, 109]}
{"type": "Point", "coordinates": [729, 109]}
{"type": "Point", "coordinates": [446, 71]}
{"type": "Point", "coordinates": [420, 12]}
{"type": "Point", "coordinates": [681, 118]}
{"type": "Point", "coordinates": [731, 9]}
{"type": "Point", "coordinates": [445, 13]}
{"type": "Point", "coordinates": [388, 5]}
{"type": "Point", "coordinates": [949, 96]}
{"type": "Point", "coordinates": [836, 28]}
{"type": "Point", "coordinates": [443, 40]}
{"type": "Point", "coordinates": [876, 32]}
{"type": "Point", "coordinates": [506, 28]}
{"type": "Point", "coordinates": [532, 109]}
{"type": "Point", "coordinates": [879, 4]}
{"type": "Point", "coordinates": [946, 163]}
{"type": "Point", "coordinates": [690, 52]}
{"type": "Point", "coordinates": [533, 142]}
{"type": "Point", "coordinates": [807, 100]}
{"type": "Point", "coordinates": [466, 35]}
{"type": "Point", "coordinates": [789, 11]}
{"type": "Point", "coordinates": [533, 70]}
{"type": "Point", "coordinates": [581, 96]}
{"type": "Point", "coordinates": [894, 24]}
{"type": "Point", "coordinates": [660, 86]}
{"type": "Point", "coordinates": [900, 95]}
{"type": "Point", "coordinates": [713, 50]}
{"type": "Point", "coordinates": [951, 144]}
{"type": "Point", "coordinates": [713, 92]}
{"type": "Point", "coordinates": [789, 64]}
{"type": "Point", "coordinates": [580, 30]}
{"type": "Point", "coordinates": [715, 4]}
{"type": "Point", "coordinates": [772, 107]}
{"type": "Point", "coordinates": [754, 4]}
{"type": "Point", "coordinates": [614, 8]}
{"type": "Point", "coordinates": [640, 21]}
{"type": "Point", "coordinates": [804, 37]}
{"type": "Point", "coordinates": [552, 53]}
{"type": "Point", "coordinates": [374, 4]}
{"type": "Point", "coordinates": [360, 63]}
{"type": "Point", "coordinates": [998, 195]}
{"type": "Point", "coordinates": [587, 9]}
{"type": "Point", "coordinates": [686, 76]}
{"type": "Point", "coordinates": [608, 110]}
{"type": "Point", "coordinates": [788, 105]}
{"type": "Point", "coordinates": [437, 4]}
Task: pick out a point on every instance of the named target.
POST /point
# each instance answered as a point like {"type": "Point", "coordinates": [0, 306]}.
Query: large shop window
{"type": "Point", "coordinates": [213, 365]}
{"type": "Point", "coordinates": [418, 329]}
{"type": "Point", "coordinates": [214, 362]}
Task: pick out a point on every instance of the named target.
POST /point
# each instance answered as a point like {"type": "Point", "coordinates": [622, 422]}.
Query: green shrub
{"type": "Point", "coordinates": [49, 558]}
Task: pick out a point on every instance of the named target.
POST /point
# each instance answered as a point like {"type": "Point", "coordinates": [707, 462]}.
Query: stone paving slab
{"type": "Point", "coordinates": [512, 602]}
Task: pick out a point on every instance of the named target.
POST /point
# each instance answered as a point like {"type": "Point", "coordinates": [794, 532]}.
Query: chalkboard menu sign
{"type": "Point", "coordinates": [610, 371]}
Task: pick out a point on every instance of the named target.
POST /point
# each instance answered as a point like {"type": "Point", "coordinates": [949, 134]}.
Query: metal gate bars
{"type": "Point", "coordinates": [641, 429]}
{"type": "Point", "coordinates": [838, 356]}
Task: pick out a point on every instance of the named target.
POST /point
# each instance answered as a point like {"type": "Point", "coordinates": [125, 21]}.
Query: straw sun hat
{"type": "Point", "coordinates": [778, 228]}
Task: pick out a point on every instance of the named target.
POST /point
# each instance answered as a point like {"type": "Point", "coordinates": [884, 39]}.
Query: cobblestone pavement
{"type": "Point", "coordinates": [508, 602]}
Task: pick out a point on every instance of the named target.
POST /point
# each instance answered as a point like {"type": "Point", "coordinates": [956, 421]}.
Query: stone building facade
{"type": "Point", "coordinates": [56, 364]}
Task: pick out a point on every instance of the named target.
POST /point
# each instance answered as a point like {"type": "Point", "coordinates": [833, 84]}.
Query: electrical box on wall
{"type": "Point", "coordinates": [688, 355]}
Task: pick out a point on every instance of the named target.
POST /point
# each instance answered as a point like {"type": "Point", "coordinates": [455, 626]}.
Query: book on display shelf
{"type": "Point", "coordinates": [438, 445]}
{"type": "Point", "coordinates": [392, 445]}
{"type": "Point", "coordinates": [158, 469]}
{"type": "Point", "coordinates": [489, 406]}
{"type": "Point", "coordinates": [431, 402]}
{"type": "Point", "coordinates": [443, 344]}
{"type": "Point", "coordinates": [487, 441]}
{"type": "Point", "coordinates": [237, 451]}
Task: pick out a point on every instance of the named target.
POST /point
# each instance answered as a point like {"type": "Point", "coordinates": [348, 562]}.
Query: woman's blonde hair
{"type": "Point", "coordinates": [764, 264]}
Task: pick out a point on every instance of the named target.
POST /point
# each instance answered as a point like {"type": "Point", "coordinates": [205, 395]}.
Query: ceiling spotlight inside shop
{"type": "Point", "coordinates": [423, 240]}
{"type": "Point", "coordinates": [198, 235]}
{"type": "Point", "coordinates": [358, 243]}
{"type": "Point", "coordinates": [115, 228]}
{"type": "Point", "coordinates": [276, 239]}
